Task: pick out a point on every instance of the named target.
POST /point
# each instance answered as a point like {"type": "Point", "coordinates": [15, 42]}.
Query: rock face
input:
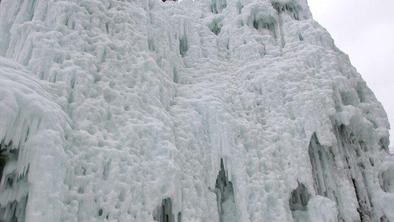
{"type": "Point", "coordinates": [205, 110]}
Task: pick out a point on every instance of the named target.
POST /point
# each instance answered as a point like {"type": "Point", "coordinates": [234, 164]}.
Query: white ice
{"type": "Point", "coordinates": [131, 102]}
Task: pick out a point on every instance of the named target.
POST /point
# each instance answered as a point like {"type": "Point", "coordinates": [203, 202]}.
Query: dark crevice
{"type": "Point", "coordinates": [384, 144]}
{"type": "Point", "coordinates": [384, 219]}
{"type": "Point", "coordinates": [100, 212]}
{"type": "Point", "coordinates": [215, 26]}
{"type": "Point", "coordinates": [290, 7]}
{"type": "Point", "coordinates": [265, 24]}
{"type": "Point", "coordinates": [350, 146]}
{"type": "Point", "coordinates": [14, 211]}
{"type": "Point", "coordinates": [179, 217]}
{"type": "Point", "coordinates": [183, 45]}
{"type": "Point", "coordinates": [3, 161]}
{"type": "Point", "coordinates": [217, 6]}
{"type": "Point", "coordinates": [164, 213]}
{"type": "Point", "coordinates": [225, 197]}
{"type": "Point", "coordinates": [10, 180]}
{"type": "Point", "coordinates": [364, 215]}
{"type": "Point", "coordinates": [322, 160]}
{"type": "Point", "coordinates": [351, 151]}
{"type": "Point", "coordinates": [300, 37]}
{"type": "Point", "coordinates": [175, 77]}
{"type": "Point", "coordinates": [386, 180]}
{"type": "Point", "coordinates": [298, 203]}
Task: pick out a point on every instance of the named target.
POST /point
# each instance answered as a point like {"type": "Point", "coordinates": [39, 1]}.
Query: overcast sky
{"type": "Point", "coordinates": [364, 29]}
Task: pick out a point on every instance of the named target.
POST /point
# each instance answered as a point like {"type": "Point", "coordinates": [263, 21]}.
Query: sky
{"type": "Point", "coordinates": [364, 29]}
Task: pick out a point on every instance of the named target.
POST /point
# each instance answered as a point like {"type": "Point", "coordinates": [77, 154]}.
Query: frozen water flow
{"type": "Point", "coordinates": [170, 111]}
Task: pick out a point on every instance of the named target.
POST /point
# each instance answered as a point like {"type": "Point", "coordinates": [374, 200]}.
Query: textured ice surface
{"type": "Point", "coordinates": [122, 110]}
{"type": "Point", "coordinates": [32, 158]}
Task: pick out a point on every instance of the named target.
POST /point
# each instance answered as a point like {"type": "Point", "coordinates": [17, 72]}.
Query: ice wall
{"type": "Point", "coordinates": [32, 159]}
{"type": "Point", "coordinates": [185, 111]}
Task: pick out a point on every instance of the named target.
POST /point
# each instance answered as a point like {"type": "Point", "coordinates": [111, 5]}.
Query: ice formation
{"type": "Point", "coordinates": [185, 111]}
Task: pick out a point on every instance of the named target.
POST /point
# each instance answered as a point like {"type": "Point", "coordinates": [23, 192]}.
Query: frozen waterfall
{"type": "Point", "coordinates": [185, 111]}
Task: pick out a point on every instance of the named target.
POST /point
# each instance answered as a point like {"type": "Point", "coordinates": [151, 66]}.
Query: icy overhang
{"type": "Point", "coordinates": [32, 131]}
